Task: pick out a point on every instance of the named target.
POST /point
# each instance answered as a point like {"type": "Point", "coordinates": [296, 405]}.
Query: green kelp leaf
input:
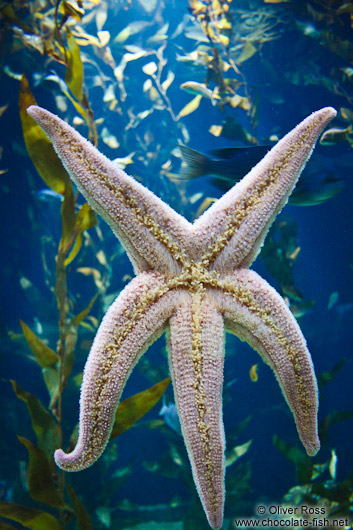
{"type": "Point", "coordinates": [60, 288]}
{"type": "Point", "coordinates": [236, 430]}
{"type": "Point", "coordinates": [86, 218]}
{"type": "Point", "coordinates": [77, 379]}
{"type": "Point", "coordinates": [340, 493]}
{"type": "Point", "coordinates": [75, 250]}
{"type": "Point", "coordinates": [44, 355]}
{"type": "Point", "coordinates": [44, 425]}
{"type": "Point", "coordinates": [248, 51]}
{"type": "Point", "coordinates": [238, 481]}
{"type": "Point", "coordinates": [71, 9]}
{"type": "Point", "coordinates": [47, 360]}
{"type": "Point", "coordinates": [83, 519]}
{"type": "Point", "coordinates": [80, 109]}
{"type": "Point", "coordinates": [40, 483]}
{"type": "Point", "coordinates": [39, 148]}
{"type": "Point", "coordinates": [326, 377]}
{"type": "Point", "coordinates": [10, 15]}
{"type": "Point", "coordinates": [52, 382]}
{"type": "Point", "coordinates": [190, 107]}
{"type": "Point", "coordinates": [67, 214]}
{"type": "Point", "coordinates": [7, 527]}
{"type": "Point", "coordinates": [237, 452]}
{"type": "Point", "coordinates": [78, 318]}
{"type": "Point", "coordinates": [302, 462]}
{"type": "Point", "coordinates": [164, 466]}
{"type": "Point", "coordinates": [74, 71]}
{"type": "Point", "coordinates": [28, 517]}
{"type": "Point", "coordinates": [133, 408]}
{"type": "Point", "coordinates": [69, 357]}
{"type": "Point", "coordinates": [334, 417]}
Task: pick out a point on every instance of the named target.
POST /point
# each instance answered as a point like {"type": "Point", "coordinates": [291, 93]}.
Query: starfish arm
{"type": "Point", "coordinates": [153, 234]}
{"type": "Point", "coordinates": [256, 313]}
{"type": "Point", "coordinates": [196, 353]}
{"type": "Point", "coordinates": [233, 230]}
{"type": "Point", "coordinates": [136, 318]}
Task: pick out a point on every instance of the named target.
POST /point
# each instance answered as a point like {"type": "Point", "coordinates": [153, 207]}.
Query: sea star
{"type": "Point", "coordinates": [197, 278]}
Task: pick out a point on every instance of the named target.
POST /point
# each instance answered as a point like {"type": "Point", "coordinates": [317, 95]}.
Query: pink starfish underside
{"type": "Point", "coordinates": [194, 277]}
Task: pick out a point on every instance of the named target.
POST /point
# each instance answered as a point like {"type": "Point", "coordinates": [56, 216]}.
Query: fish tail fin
{"type": "Point", "coordinates": [197, 163]}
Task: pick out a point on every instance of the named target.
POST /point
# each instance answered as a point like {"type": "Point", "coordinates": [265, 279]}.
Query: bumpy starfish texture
{"type": "Point", "coordinates": [195, 277]}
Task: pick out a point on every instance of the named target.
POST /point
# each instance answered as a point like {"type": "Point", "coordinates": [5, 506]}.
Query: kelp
{"type": "Point", "coordinates": [326, 377]}
{"type": "Point", "coordinates": [44, 425]}
{"type": "Point", "coordinates": [333, 418]}
{"type": "Point", "coordinates": [74, 81]}
{"type": "Point", "coordinates": [132, 409]}
{"type": "Point", "coordinates": [47, 484]}
{"type": "Point", "coordinates": [303, 463]}
{"type": "Point", "coordinates": [279, 253]}
{"type": "Point", "coordinates": [53, 45]}
{"type": "Point", "coordinates": [314, 488]}
{"type": "Point", "coordinates": [29, 517]}
{"type": "Point", "coordinates": [216, 22]}
{"type": "Point", "coordinates": [38, 145]}
{"type": "Point", "coordinates": [41, 486]}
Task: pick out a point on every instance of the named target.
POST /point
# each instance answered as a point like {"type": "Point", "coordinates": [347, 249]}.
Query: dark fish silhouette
{"type": "Point", "coordinates": [313, 189]}
{"type": "Point", "coordinates": [317, 184]}
{"type": "Point", "coordinates": [231, 163]}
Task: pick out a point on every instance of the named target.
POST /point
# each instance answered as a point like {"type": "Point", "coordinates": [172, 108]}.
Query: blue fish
{"type": "Point", "coordinates": [50, 196]}
{"type": "Point", "coordinates": [170, 416]}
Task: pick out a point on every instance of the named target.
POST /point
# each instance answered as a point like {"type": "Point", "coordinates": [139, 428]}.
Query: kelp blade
{"type": "Point", "coordinates": [40, 483]}
{"type": "Point", "coordinates": [303, 463]}
{"type": "Point", "coordinates": [83, 519]}
{"type": "Point", "coordinates": [133, 408]}
{"type": "Point", "coordinates": [44, 355]}
{"type": "Point", "coordinates": [28, 517]}
{"type": "Point", "coordinates": [47, 360]}
{"type": "Point", "coordinates": [74, 71]}
{"type": "Point", "coordinates": [38, 145]}
{"type": "Point", "coordinates": [44, 425]}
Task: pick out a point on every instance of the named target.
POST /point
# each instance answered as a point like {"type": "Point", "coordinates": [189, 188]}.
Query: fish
{"type": "Point", "coordinates": [300, 307]}
{"type": "Point", "coordinates": [51, 80]}
{"type": "Point", "coordinates": [123, 162]}
{"type": "Point", "coordinates": [170, 416]}
{"type": "Point", "coordinates": [310, 191]}
{"type": "Point", "coordinates": [335, 136]}
{"type": "Point", "coordinates": [50, 196]}
{"type": "Point", "coordinates": [342, 309]}
{"type": "Point", "coordinates": [200, 89]}
{"type": "Point", "coordinates": [196, 33]}
{"type": "Point", "coordinates": [332, 300]}
{"type": "Point", "coordinates": [229, 164]}
{"type": "Point", "coordinates": [317, 184]}
{"type": "Point", "coordinates": [237, 452]}
{"type": "Point", "coordinates": [308, 29]}
{"type": "Point", "coordinates": [135, 27]}
{"type": "Point", "coordinates": [197, 58]}
{"type": "Point", "coordinates": [104, 516]}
